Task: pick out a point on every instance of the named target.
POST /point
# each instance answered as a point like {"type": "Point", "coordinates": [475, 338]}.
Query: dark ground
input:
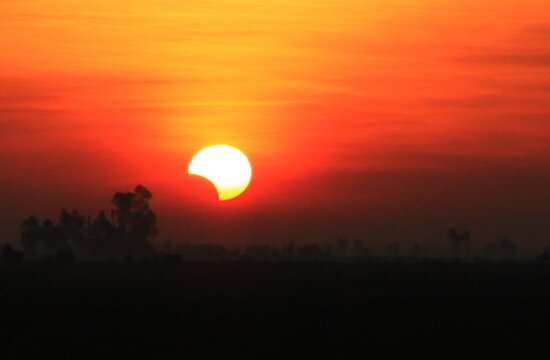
{"type": "Point", "coordinates": [256, 310]}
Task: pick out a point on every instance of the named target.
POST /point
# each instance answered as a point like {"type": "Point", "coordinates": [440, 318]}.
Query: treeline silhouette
{"type": "Point", "coordinates": [343, 249]}
{"type": "Point", "coordinates": [128, 230]}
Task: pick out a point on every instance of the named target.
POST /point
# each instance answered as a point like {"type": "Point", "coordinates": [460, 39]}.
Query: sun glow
{"type": "Point", "coordinates": [226, 167]}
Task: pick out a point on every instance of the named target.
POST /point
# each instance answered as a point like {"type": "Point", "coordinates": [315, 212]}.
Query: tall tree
{"type": "Point", "coordinates": [72, 227]}
{"type": "Point", "coordinates": [133, 218]}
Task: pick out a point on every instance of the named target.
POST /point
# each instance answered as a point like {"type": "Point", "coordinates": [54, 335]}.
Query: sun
{"type": "Point", "coordinates": [226, 167]}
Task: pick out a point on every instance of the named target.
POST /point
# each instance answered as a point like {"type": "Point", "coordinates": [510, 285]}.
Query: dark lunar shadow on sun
{"type": "Point", "coordinates": [203, 189]}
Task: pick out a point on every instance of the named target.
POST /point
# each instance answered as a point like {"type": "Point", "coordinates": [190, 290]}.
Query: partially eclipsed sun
{"type": "Point", "coordinates": [226, 167]}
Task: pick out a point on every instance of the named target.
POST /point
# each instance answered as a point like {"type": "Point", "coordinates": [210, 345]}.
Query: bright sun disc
{"type": "Point", "coordinates": [226, 167]}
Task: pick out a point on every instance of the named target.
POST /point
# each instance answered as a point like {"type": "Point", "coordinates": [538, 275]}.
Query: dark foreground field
{"type": "Point", "coordinates": [255, 310]}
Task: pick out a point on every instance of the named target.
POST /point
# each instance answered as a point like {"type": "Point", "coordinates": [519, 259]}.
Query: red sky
{"type": "Point", "coordinates": [375, 120]}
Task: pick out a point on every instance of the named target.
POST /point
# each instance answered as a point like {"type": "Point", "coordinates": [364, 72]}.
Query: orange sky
{"type": "Point", "coordinates": [379, 120]}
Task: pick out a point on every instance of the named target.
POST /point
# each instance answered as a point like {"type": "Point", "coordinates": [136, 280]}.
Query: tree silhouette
{"type": "Point", "coordinates": [30, 234]}
{"type": "Point", "coordinates": [503, 249]}
{"type": "Point", "coordinates": [54, 239]}
{"type": "Point", "coordinates": [460, 243]}
{"type": "Point", "coordinates": [491, 249]}
{"type": "Point", "coordinates": [101, 236]}
{"type": "Point", "coordinates": [290, 248]}
{"type": "Point", "coordinates": [394, 249]}
{"type": "Point", "coordinates": [48, 235]}
{"type": "Point", "coordinates": [133, 218]}
{"type": "Point", "coordinates": [72, 227]}
{"type": "Point", "coordinates": [342, 246]}
{"type": "Point", "coordinates": [360, 249]}
{"type": "Point", "coordinates": [508, 248]}
{"type": "Point", "coordinates": [544, 256]}
{"type": "Point", "coordinates": [416, 250]}
{"type": "Point", "coordinates": [10, 255]}
{"type": "Point", "coordinates": [129, 231]}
